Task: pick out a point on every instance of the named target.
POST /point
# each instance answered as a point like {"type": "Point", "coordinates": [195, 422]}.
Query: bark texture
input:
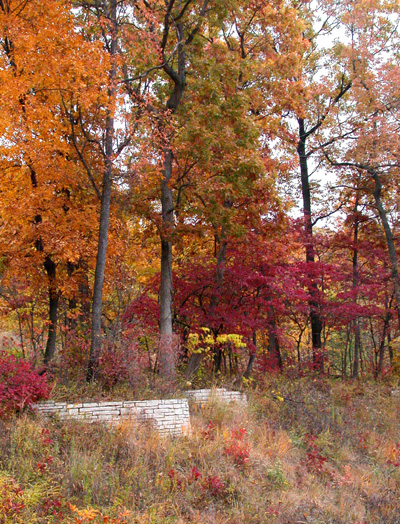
{"type": "Point", "coordinates": [315, 318]}
{"type": "Point", "coordinates": [97, 300]}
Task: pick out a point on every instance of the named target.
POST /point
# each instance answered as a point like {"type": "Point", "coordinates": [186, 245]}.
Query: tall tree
{"type": "Point", "coordinates": [38, 163]}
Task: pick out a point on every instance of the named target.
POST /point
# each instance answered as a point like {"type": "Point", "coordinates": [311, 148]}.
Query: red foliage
{"type": "Point", "coordinates": [20, 385]}
{"type": "Point", "coordinates": [208, 433]}
{"type": "Point", "coordinates": [174, 478]}
{"type": "Point", "coordinates": [315, 461]}
{"type": "Point", "coordinates": [195, 473]}
{"type": "Point", "coordinates": [237, 447]}
{"type": "Point", "coordinates": [213, 485]}
{"type": "Point", "coordinates": [43, 465]}
{"type": "Point", "coordinates": [11, 499]}
{"type": "Point", "coordinates": [51, 507]}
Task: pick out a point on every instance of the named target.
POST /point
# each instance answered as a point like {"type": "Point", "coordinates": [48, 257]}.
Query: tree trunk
{"type": "Point", "coordinates": [315, 318]}
{"type": "Point", "coordinates": [105, 203]}
{"type": "Point", "coordinates": [50, 350]}
{"type": "Point", "coordinates": [357, 350]}
{"type": "Point", "coordinates": [274, 354]}
{"type": "Point", "coordinates": [389, 240]}
{"type": "Point", "coordinates": [166, 349]}
{"type": "Point", "coordinates": [167, 356]}
{"type": "Point", "coordinates": [196, 358]}
{"type": "Point", "coordinates": [252, 357]}
{"type": "Point", "coordinates": [356, 324]}
{"type": "Point", "coordinates": [381, 353]}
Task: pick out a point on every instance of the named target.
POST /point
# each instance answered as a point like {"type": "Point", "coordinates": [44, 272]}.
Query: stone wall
{"type": "Point", "coordinates": [170, 416]}
{"type": "Point", "coordinates": [201, 396]}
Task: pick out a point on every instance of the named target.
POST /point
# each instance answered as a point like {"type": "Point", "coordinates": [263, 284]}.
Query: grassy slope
{"type": "Point", "coordinates": [312, 452]}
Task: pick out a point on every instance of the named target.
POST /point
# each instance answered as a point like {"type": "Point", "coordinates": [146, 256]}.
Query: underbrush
{"type": "Point", "coordinates": [304, 451]}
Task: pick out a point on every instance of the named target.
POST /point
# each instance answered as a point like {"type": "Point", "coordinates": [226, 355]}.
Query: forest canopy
{"type": "Point", "coordinates": [200, 185]}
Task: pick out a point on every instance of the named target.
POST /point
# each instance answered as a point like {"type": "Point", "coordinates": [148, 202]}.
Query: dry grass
{"type": "Point", "coordinates": [315, 452]}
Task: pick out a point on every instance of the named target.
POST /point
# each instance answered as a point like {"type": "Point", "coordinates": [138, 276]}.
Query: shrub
{"type": "Point", "coordinates": [20, 385]}
{"type": "Point", "coordinates": [11, 500]}
{"type": "Point", "coordinates": [237, 447]}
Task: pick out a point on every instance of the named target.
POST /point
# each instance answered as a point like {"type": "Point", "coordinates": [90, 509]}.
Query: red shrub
{"type": "Point", "coordinates": [237, 448]}
{"type": "Point", "coordinates": [315, 461]}
{"type": "Point", "coordinates": [176, 482]}
{"type": "Point", "coordinates": [20, 385]}
{"type": "Point", "coordinates": [195, 473]}
{"type": "Point", "coordinates": [208, 433]}
{"type": "Point", "coordinates": [213, 485]}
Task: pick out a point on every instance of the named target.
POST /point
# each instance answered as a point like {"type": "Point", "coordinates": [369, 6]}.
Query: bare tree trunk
{"type": "Point", "coordinates": [178, 79]}
{"type": "Point", "coordinates": [274, 353]}
{"type": "Point", "coordinates": [166, 352]}
{"type": "Point", "coordinates": [356, 324]}
{"type": "Point", "coordinates": [315, 318]}
{"type": "Point", "coordinates": [196, 358]}
{"type": "Point", "coordinates": [381, 352]}
{"type": "Point", "coordinates": [252, 357]}
{"type": "Point", "coordinates": [389, 339]}
{"type": "Point", "coordinates": [357, 350]}
{"type": "Point", "coordinates": [50, 350]}
{"type": "Point", "coordinates": [389, 240]}
{"type": "Point", "coordinates": [105, 201]}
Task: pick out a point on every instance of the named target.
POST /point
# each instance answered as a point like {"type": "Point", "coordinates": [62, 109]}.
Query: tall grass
{"type": "Point", "coordinates": [315, 452]}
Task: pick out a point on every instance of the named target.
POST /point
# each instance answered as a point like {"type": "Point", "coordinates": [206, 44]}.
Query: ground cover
{"type": "Point", "coordinates": [303, 451]}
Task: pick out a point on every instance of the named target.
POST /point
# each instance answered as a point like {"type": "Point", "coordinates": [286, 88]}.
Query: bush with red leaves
{"type": "Point", "coordinates": [20, 385]}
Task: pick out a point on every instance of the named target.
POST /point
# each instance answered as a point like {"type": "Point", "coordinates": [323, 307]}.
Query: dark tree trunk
{"type": "Point", "coordinates": [389, 340]}
{"type": "Point", "coordinates": [50, 350]}
{"type": "Point", "coordinates": [357, 350]}
{"type": "Point", "coordinates": [178, 79]}
{"type": "Point", "coordinates": [381, 352]}
{"type": "Point", "coordinates": [389, 240]}
{"type": "Point", "coordinates": [166, 350]}
{"type": "Point", "coordinates": [105, 203]}
{"type": "Point", "coordinates": [315, 318]}
{"type": "Point", "coordinates": [196, 358]}
{"type": "Point", "coordinates": [356, 323]}
{"type": "Point", "coordinates": [252, 357]}
{"type": "Point", "coordinates": [274, 353]}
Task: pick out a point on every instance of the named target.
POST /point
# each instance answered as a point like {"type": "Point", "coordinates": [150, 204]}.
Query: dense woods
{"type": "Point", "coordinates": [200, 186]}
{"type": "Point", "coordinates": [199, 194]}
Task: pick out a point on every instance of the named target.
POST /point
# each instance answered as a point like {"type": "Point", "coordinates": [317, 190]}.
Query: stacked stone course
{"type": "Point", "coordinates": [202, 396]}
{"type": "Point", "coordinates": [169, 416]}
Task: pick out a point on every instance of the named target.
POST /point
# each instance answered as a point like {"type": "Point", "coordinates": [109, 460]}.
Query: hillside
{"type": "Point", "coordinates": [303, 451]}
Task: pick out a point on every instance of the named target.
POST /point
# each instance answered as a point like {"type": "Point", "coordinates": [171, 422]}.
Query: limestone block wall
{"type": "Point", "coordinates": [169, 416]}
{"type": "Point", "coordinates": [201, 396]}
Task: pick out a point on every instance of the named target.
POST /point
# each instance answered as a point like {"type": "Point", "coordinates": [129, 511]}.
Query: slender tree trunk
{"type": "Point", "coordinates": [389, 240]}
{"type": "Point", "coordinates": [166, 350]}
{"type": "Point", "coordinates": [167, 357]}
{"type": "Point", "coordinates": [356, 324]}
{"type": "Point", "coordinates": [315, 318]}
{"type": "Point", "coordinates": [252, 357]}
{"type": "Point", "coordinates": [389, 340]}
{"type": "Point", "coordinates": [196, 358]}
{"type": "Point", "coordinates": [50, 350]}
{"type": "Point", "coordinates": [274, 354]}
{"type": "Point", "coordinates": [105, 202]}
{"type": "Point", "coordinates": [50, 268]}
{"type": "Point", "coordinates": [357, 350]}
{"type": "Point", "coordinates": [381, 352]}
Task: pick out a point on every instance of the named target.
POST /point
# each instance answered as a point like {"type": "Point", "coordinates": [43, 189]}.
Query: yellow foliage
{"type": "Point", "coordinates": [205, 341]}
{"type": "Point", "coordinates": [85, 516]}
